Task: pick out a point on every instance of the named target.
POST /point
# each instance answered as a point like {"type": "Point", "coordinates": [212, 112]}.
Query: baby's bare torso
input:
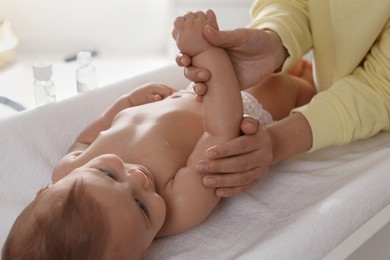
{"type": "Point", "coordinates": [159, 135]}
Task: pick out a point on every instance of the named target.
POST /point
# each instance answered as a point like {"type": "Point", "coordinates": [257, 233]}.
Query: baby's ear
{"type": "Point", "coordinates": [65, 166]}
{"type": "Point", "coordinates": [74, 154]}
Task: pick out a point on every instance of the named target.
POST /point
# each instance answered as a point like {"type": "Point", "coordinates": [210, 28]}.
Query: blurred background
{"type": "Point", "coordinates": [128, 36]}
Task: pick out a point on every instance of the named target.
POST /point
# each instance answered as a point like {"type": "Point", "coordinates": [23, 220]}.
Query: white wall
{"type": "Point", "coordinates": [231, 14]}
{"type": "Point", "coordinates": [124, 27]}
{"type": "Point", "coordinates": [128, 26]}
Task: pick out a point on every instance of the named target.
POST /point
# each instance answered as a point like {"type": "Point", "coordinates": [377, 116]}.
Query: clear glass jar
{"type": "Point", "coordinates": [44, 90]}
{"type": "Point", "coordinates": [86, 73]}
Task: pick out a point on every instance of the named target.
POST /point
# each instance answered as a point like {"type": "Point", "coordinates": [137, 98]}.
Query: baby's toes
{"type": "Point", "coordinates": [200, 15]}
{"type": "Point", "coordinates": [179, 22]}
{"type": "Point", "coordinates": [212, 19]}
{"type": "Point", "coordinates": [189, 16]}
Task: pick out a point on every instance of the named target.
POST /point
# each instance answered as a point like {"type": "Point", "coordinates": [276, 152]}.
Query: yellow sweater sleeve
{"type": "Point", "coordinates": [356, 106]}
{"type": "Point", "coordinates": [289, 19]}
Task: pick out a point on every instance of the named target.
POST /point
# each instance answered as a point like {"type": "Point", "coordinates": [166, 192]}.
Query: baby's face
{"type": "Point", "coordinates": [125, 191]}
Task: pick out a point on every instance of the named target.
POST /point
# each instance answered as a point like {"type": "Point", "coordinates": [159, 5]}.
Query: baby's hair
{"type": "Point", "coordinates": [75, 230]}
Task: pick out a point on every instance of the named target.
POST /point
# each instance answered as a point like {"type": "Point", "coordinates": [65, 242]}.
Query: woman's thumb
{"type": "Point", "coordinates": [217, 38]}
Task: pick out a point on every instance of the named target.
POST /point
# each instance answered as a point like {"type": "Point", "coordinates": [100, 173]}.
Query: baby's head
{"type": "Point", "coordinates": [105, 209]}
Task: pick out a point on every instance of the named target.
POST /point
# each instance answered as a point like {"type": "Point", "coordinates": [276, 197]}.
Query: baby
{"type": "Point", "coordinates": [131, 174]}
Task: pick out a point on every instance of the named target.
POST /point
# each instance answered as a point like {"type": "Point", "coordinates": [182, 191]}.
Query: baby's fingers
{"type": "Point", "coordinates": [163, 91]}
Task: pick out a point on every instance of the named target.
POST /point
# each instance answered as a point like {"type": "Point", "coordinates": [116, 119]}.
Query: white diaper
{"type": "Point", "coordinates": [253, 108]}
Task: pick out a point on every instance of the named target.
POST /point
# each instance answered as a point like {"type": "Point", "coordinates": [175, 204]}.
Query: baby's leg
{"type": "Point", "coordinates": [222, 104]}
{"type": "Point", "coordinates": [279, 94]}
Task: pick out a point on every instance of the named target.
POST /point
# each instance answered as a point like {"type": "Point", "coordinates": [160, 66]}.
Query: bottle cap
{"type": "Point", "coordinates": [84, 57]}
{"type": "Point", "coordinates": [42, 70]}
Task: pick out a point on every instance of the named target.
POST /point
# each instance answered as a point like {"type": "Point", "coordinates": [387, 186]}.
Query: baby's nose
{"type": "Point", "coordinates": [138, 177]}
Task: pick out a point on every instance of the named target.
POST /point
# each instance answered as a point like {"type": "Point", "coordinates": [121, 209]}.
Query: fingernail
{"type": "Point", "coordinates": [201, 167]}
{"type": "Point", "coordinates": [208, 28]}
{"type": "Point", "coordinates": [220, 193]}
{"type": "Point", "coordinates": [209, 182]}
{"type": "Point", "coordinates": [200, 75]}
{"type": "Point", "coordinates": [195, 88]}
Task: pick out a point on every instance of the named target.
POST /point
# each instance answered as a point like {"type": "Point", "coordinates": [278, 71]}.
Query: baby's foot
{"type": "Point", "coordinates": [303, 69]}
{"type": "Point", "coordinates": [188, 31]}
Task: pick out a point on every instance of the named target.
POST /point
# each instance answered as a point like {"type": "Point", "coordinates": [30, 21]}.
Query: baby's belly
{"type": "Point", "coordinates": [173, 132]}
{"type": "Point", "coordinates": [161, 138]}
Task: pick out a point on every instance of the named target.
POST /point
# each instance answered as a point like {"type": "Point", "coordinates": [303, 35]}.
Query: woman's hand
{"type": "Point", "coordinates": [238, 164]}
{"type": "Point", "coordinates": [254, 53]}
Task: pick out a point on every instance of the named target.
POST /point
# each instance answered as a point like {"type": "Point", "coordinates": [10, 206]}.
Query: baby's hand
{"type": "Point", "coordinates": [150, 92]}
{"type": "Point", "coordinates": [188, 31]}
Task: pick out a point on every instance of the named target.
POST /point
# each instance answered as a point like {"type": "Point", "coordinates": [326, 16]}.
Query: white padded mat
{"type": "Point", "coordinates": [301, 210]}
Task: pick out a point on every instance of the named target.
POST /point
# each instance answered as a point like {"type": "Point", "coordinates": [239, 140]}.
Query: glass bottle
{"type": "Point", "coordinates": [44, 90]}
{"type": "Point", "coordinates": [86, 73]}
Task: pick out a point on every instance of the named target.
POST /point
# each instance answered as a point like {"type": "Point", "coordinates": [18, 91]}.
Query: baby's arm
{"type": "Point", "coordinates": [147, 93]}
{"type": "Point", "coordinates": [188, 201]}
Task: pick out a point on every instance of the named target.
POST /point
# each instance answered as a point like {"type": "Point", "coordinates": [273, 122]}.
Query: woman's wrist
{"type": "Point", "coordinates": [289, 136]}
{"type": "Point", "coordinates": [281, 53]}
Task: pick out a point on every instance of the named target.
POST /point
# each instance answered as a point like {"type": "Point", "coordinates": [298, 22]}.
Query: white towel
{"type": "Point", "coordinates": [302, 209]}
